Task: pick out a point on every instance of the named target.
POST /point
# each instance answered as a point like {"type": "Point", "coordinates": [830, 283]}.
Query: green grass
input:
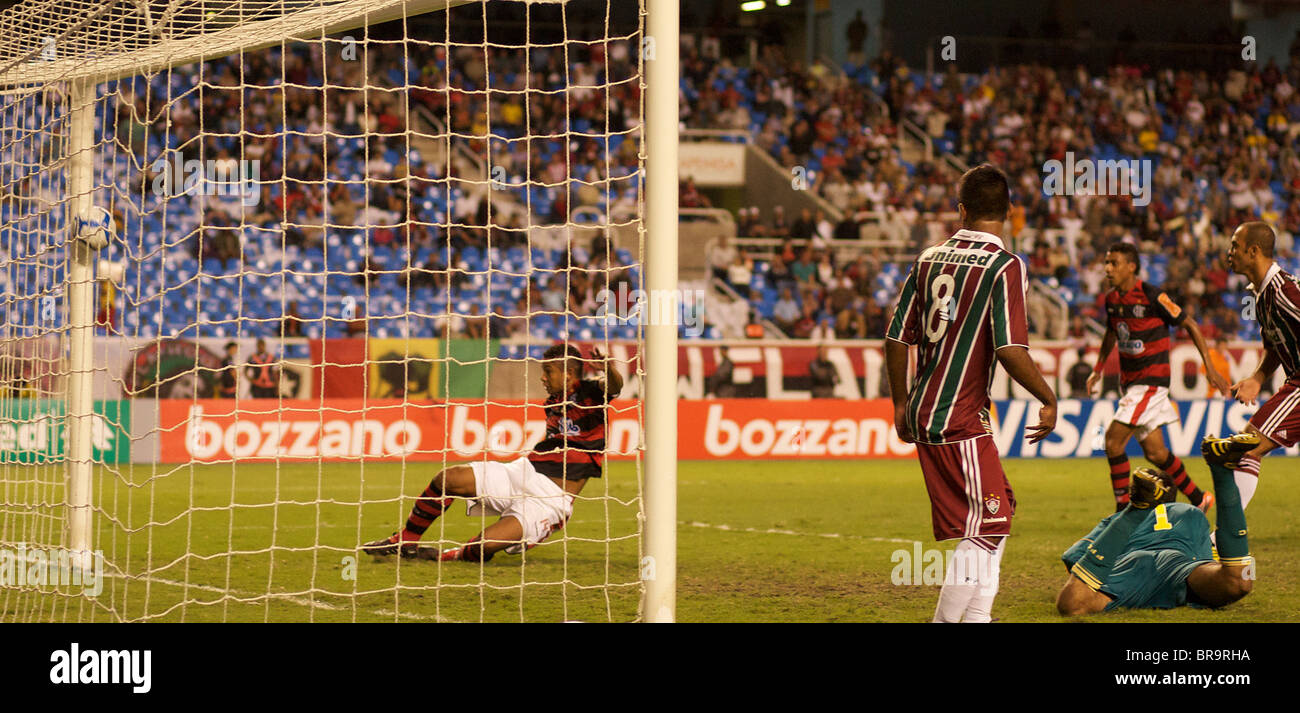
{"type": "Point", "coordinates": [757, 541]}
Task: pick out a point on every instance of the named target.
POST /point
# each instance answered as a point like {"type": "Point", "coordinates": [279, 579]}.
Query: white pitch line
{"type": "Point", "coordinates": [776, 531]}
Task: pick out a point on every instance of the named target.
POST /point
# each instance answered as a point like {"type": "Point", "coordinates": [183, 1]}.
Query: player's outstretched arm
{"type": "Point", "coordinates": [1217, 380]}
{"type": "Point", "coordinates": [1107, 344]}
{"type": "Point", "coordinates": [1247, 390]}
{"type": "Point", "coordinates": [1015, 359]}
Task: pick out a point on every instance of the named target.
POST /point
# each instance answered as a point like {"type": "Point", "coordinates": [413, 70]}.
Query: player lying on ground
{"type": "Point", "coordinates": [1157, 554]}
{"type": "Point", "coordinates": [1139, 318]}
{"type": "Point", "coordinates": [1277, 307]}
{"type": "Point", "coordinates": [533, 494]}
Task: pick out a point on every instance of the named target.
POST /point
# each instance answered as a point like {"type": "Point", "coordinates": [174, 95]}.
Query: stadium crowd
{"type": "Point", "coordinates": [1222, 147]}
{"type": "Point", "coordinates": [350, 188]}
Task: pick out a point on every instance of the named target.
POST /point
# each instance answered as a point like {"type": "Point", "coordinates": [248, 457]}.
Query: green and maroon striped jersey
{"type": "Point", "coordinates": [1278, 310]}
{"type": "Point", "coordinates": [963, 300]}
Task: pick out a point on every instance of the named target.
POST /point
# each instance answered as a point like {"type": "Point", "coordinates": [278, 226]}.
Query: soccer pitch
{"type": "Point", "coordinates": [757, 541]}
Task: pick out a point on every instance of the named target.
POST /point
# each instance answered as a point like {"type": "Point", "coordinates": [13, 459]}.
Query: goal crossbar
{"type": "Point", "coordinates": [136, 42]}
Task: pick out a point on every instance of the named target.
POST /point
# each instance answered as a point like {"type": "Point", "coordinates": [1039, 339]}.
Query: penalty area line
{"type": "Point", "coordinates": [794, 533]}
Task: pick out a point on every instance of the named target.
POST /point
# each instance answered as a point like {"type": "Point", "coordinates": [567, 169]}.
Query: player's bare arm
{"type": "Point", "coordinates": [896, 366]}
{"type": "Point", "coordinates": [1247, 390]}
{"type": "Point", "coordinates": [1016, 360]}
{"type": "Point", "coordinates": [1217, 380]}
{"type": "Point", "coordinates": [1107, 344]}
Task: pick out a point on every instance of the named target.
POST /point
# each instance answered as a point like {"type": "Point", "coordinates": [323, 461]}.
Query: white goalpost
{"type": "Point", "coordinates": [267, 267]}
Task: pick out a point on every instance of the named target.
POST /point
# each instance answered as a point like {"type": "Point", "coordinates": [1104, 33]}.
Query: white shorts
{"type": "Point", "coordinates": [517, 490]}
{"type": "Point", "coordinates": [1146, 408]}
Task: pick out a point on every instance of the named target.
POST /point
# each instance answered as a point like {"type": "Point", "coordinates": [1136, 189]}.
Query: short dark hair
{"type": "Point", "coordinates": [570, 355]}
{"type": "Point", "coordinates": [1127, 250]}
{"type": "Point", "coordinates": [231, 344]}
{"type": "Point", "coordinates": [985, 193]}
{"type": "Point", "coordinates": [1259, 234]}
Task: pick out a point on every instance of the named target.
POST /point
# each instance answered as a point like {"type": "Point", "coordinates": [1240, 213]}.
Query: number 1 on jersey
{"type": "Point", "coordinates": [939, 316]}
{"type": "Point", "coordinates": [1162, 518]}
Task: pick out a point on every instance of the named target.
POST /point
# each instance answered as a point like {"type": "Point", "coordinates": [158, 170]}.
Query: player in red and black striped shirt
{"type": "Point", "coordinates": [1138, 321]}
{"type": "Point", "coordinates": [1277, 307]}
{"type": "Point", "coordinates": [533, 494]}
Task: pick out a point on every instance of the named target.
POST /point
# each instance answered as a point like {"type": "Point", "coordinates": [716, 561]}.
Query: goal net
{"type": "Point", "coordinates": [268, 267]}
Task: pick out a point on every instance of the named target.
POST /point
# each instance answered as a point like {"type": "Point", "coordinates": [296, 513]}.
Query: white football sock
{"type": "Point", "coordinates": [980, 609]}
{"type": "Point", "coordinates": [1247, 477]}
{"type": "Point", "coordinates": [960, 582]}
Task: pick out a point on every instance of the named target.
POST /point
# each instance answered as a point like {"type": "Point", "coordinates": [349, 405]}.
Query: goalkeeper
{"type": "Point", "coordinates": [1158, 554]}
{"type": "Point", "coordinates": [534, 494]}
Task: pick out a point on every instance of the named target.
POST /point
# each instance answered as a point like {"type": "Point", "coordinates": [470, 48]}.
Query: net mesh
{"type": "Point", "coordinates": [336, 259]}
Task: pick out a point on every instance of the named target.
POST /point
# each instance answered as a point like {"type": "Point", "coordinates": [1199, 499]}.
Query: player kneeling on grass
{"type": "Point", "coordinates": [1157, 554]}
{"type": "Point", "coordinates": [533, 494]}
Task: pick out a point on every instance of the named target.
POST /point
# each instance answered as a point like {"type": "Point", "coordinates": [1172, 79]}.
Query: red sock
{"type": "Point", "coordinates": [1174, 468]}
{"type": "Point", "coordinates": [1119, 472]}
{"type": "Point", "coordinates": [427, 509]}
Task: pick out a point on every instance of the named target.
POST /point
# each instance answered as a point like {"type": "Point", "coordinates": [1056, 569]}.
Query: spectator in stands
{"type": "Point", "coordinates": [496, 325]}
{"type": "Point", "coordinates": [824, 331]}
{"type": "Point", "coordinates": [788, 252]}
{"type": "Point", "coordinates": [778, 274]}
{"type": "Point", "coordinates": [804, 270]}
{"type": "Point", "coordinates": [825, 269]}
{"type": "Point", "coordinates": [779, 227]}
{"type": "Point", "coordinates": [719, 384]}
{"type": "Point", "coordinates": [837, 191]}
{"type": "Point", "coordinates": [748, 225]}
{"type": "Point", "coordinates": [263, 374]}
{"type": "Point", "coordinates": [786, 311]}
{"type": "Point", "coordinates": [1078, 375]}
{"type": "Point", "coordinates": [220, 237]}
{"type": "Point", "coordinates": [807, 324]}
{"type": "Point", "coordinates": [291, 325]}
{"type": "Point", "coordinates": [856, 34]}
{"type": "Point", "coordinates": [106, 306]}
{"type": "Point", "coordinates": [739, 275]}
{"type": "Point", "coordinates": [689, 196]}
{"type": "Point", "coordinates": [1040, 264]}
{"type": "Point", "coordinates": [823, 232]}
{"type": "Point", "coordinates": [805, 227]}
{"type": "Point", "coordinates": [228, 383]}
{"type": "Point", "coordinates": [475, 324]}
{"type": "Point", "coordinates": [722, 256]}
{"type": "Point", "coordinates": [851, 321]}
{"type": "Point", "coordinates": [822, 375]}
{"type": "Point", "coordinates": [849, 227]}
{"type": "Point", "coordinates": [554, 297]}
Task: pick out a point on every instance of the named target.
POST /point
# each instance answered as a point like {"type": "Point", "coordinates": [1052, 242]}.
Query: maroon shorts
{"type": "Point", "coordinates": [969, 492]}
{"type": "Point", "coordinates": [1279, 417]}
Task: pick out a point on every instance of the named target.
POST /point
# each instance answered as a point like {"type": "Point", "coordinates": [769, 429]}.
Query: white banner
{"type": "Point", "coordinates": [712, 163]}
